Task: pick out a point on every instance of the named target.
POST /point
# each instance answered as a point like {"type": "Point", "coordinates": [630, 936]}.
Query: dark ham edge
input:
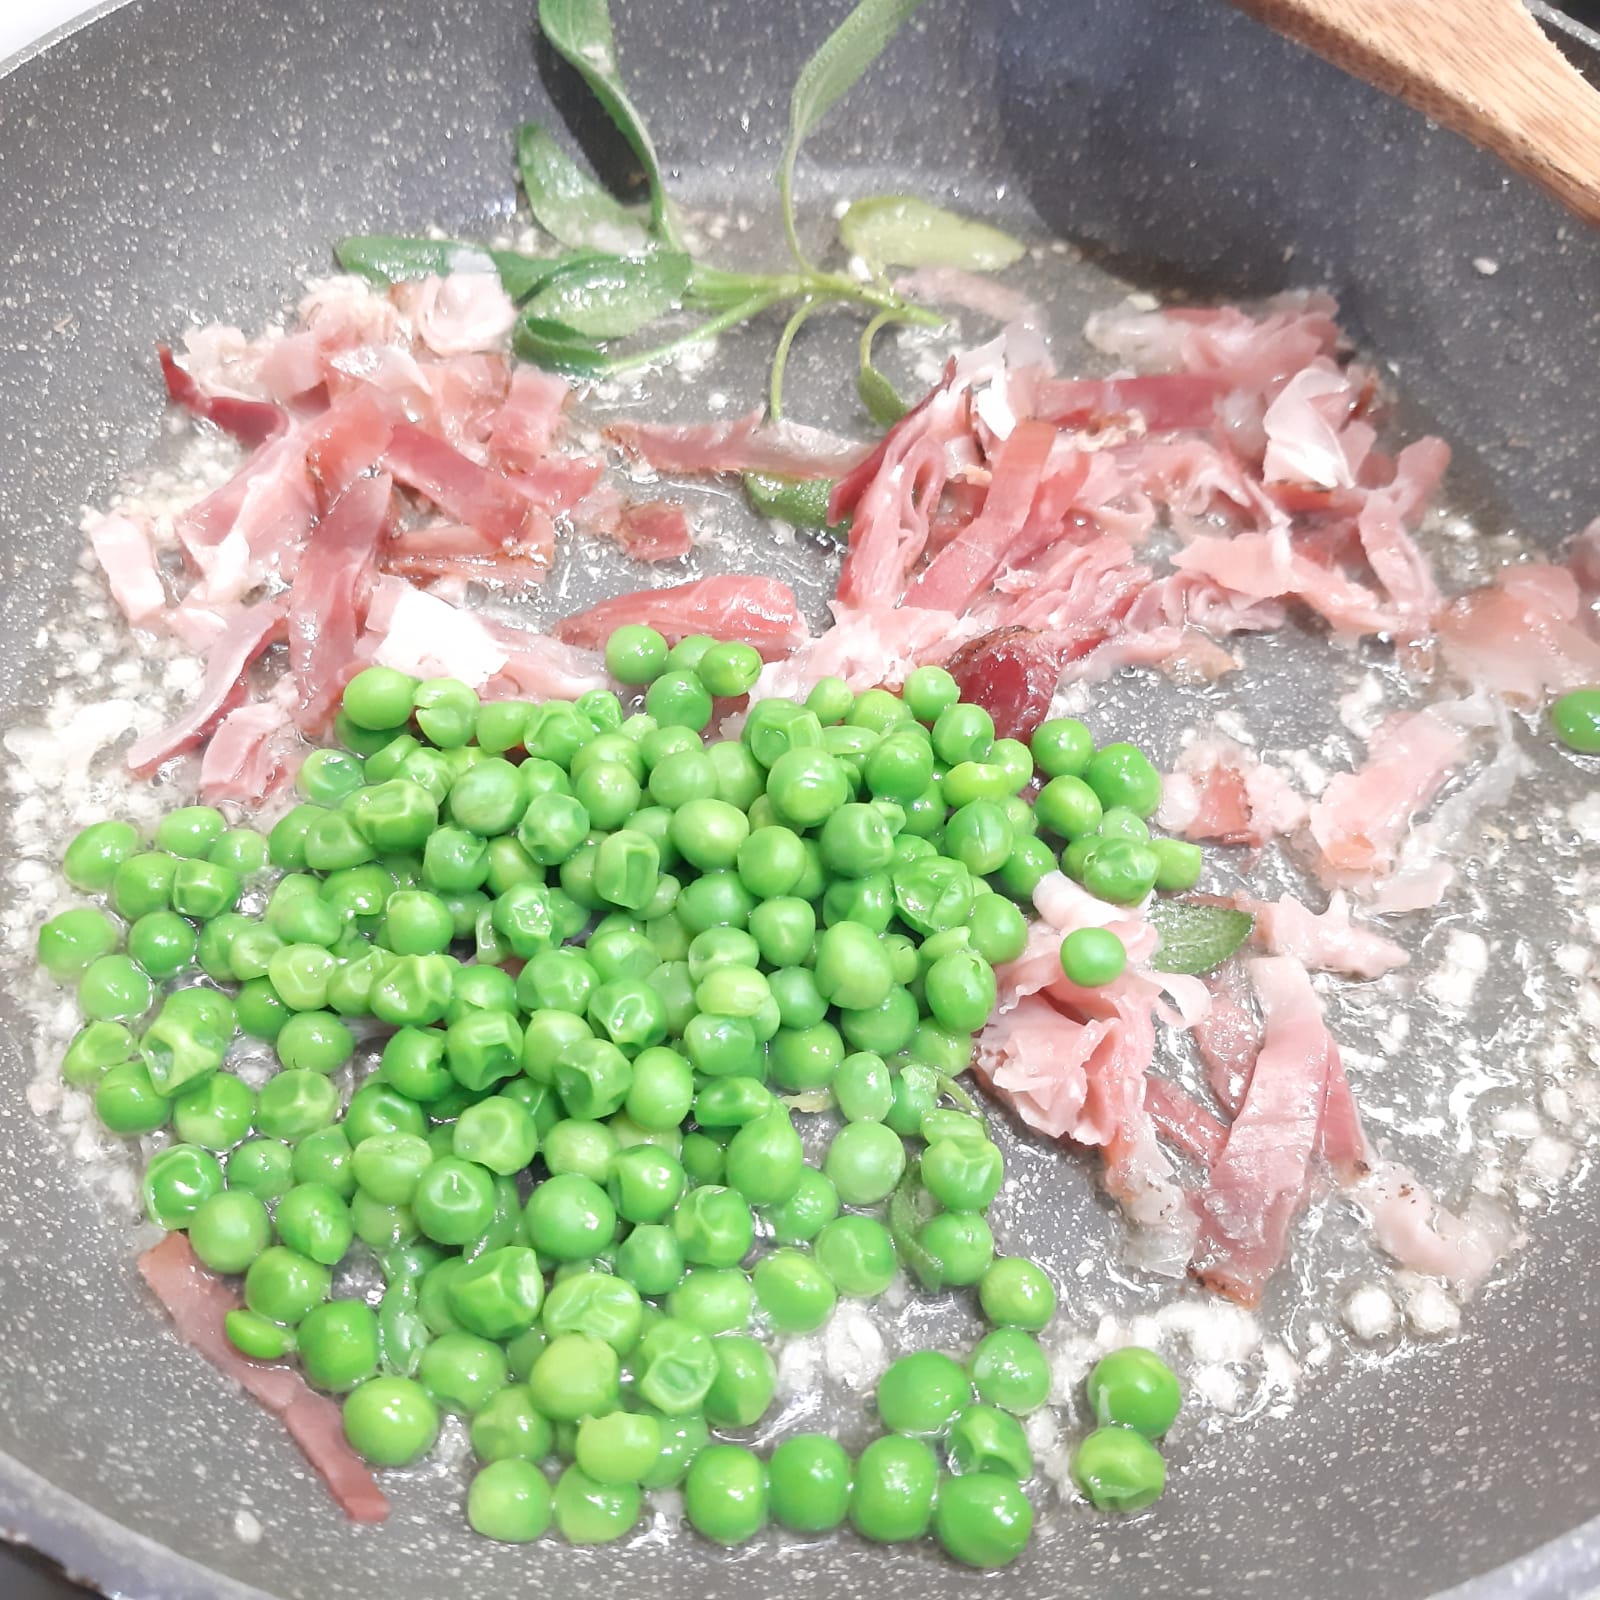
{"type": "Point", "coordinates": [198, 1303]}
{"type": "Point", "coordinates": [250, 632]}
{"type": "Point", "coordinates": [1180, 1118]}
{"type": "Point", "coordinates": [251, 422]}
{"type": "Point", "coordinates": [757, 610]}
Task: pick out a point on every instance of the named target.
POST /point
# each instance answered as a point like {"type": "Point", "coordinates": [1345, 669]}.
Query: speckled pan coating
{"type": "Point", "coordinates": [190, 158]}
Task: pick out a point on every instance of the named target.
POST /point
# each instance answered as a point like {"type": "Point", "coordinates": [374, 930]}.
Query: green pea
{"type": "Point", "coordinates": [453, 1201]}
{"type": "Point", "coordinates": [508, 1428]}
{"type": "Point", "coordinates": [635, 654]}
{"type": "Point", "coordinates": [1135, 1388]}
{"type": "Point", "coordinates": [391, 1421]}
{"type": "Point", "coordinates": [809, 1481]}
{"type": "Point", "coordinates": [510, 1501]}
{"type": "Point", "coordinates": [93, 1050]}
{"type": "Point", "coordinates": [864, 1162]}
{"type": "Point", "coordinates": [74, 940]}
{"type": "Point", "coordinates": [143, 883]}
{"type": "Point", "coordinates": [662, 1089]}
{"type": "Point", "coordinates": [296, 1103]}
{"type": "Point", "coordinates": [922, 1394]}
{"type": "Point", "coordinates": [1091, 957]}
{"type": "Point", "coordinates": [574, 1376]}
{"type": "Point", "coordinates": [651, 1259]}
{"type": "Point", "coordinates": [729, 669]}
{"type": "Point", "coordinates": [1009, 1370]}
{"type": "Point", "coordinates": [1118, 1469]}
{"type": "Point", "coordinates": [852, 969]}
{"type": "Point", "coordinates": [589, 1512]}
{"type": "Point", "coordinates": [896, 1479]}
{"type": "Point", "coordinates": [92, 858]}
{"type": "Point", "coordinates": [1178, 864]}
{"type": "Point", "coordinates": [114, 989]}
{"type": "Point", "coordinates": [982, 1520]}
{"type": "Point", "coordinates": [338, 1344]}
{"type": "Point", "coordinates": [230, 1230]}
{"type": "Point", "coordinates": [1015, 1293]}
{"type": "Point", "coordinates": [597, 1304]}
{"type": "Point", "coordinates": [570, 1217]}
{"type": "Point", "coordinates": [962, 732]}
{"type": "Point", "coordinates": [1122, 871]}
{"type": "Point", "coordinates": [261, 1167]}
{"type": "Point", "coordinates": [803, 1216]}
{"type": "Point", "coordinates": [313, 1219]}
{"type": "Point", "coordinates": [725, 1494]}
{"type": "Point", "coordinates": [128, 1103]}
{"type": "Point", "coordinates": [1121, 775]}
{"type": "Point", "coordinates": [462, 1372]}
{"type": "Point", "coordinates": [379, 698]}
{"type": "Point", "coordinates": [586, 1148]}
{"type": "Point", "coordinates": [857, 1254]}
{"type": "Point", "coordinates": [325, 1156]}
{"type": "Point", "coordinates": [177, 1182]}
{"type": "Point", "coordinates": [258, 1337]}
{"type": "Point", "coordinates": [986, 1439]}
{"type": "Point", "coordinates": [796, 1294]}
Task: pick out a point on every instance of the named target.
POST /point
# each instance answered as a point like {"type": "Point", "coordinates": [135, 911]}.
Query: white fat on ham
{"type": "Point", "coordinates": [1325, 941]}
{"type": "Point", "coordinates": [463, 313]}
{"type": "Point", "coordinates": [429, 638]}
{"type": "Point", "coordinates": [123, 547]}
{"type": "Point", "coordinates": [869, 647]}
{"type": "Point", "coordinates": [1302, 427]}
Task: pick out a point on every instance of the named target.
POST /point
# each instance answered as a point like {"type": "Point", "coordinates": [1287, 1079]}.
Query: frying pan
{"type": "Point", "coordinates": [191, 159]}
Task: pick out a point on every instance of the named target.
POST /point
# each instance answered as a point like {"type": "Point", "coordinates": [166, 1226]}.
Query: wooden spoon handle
{"type": "Point", "coordinates": [1481, 67]}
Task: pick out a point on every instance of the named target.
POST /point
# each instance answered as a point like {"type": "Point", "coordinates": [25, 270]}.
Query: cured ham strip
{"type": "Point", "coordinates": [251, 422]}
{"type": "Point", "coordinates": [1258, 1185]}
{"type": "Point", "coordinates": [978, 551]}
{"type": "Point", "coordinates": [1326, 941]}
{"type": "Point", "coordinates": [1221, 792]}
{"type": "Point", "coordinates": [746, 444]}
{"type": "Point", "coordinates": [329, 596]}
{"type": "Point", "coordinates": [198, 1303]}
{"type": "Point", "coordinates": [758, 610]}
{"type": "Point", "coordinates": [247, 632]}
{"type": "Point", "coordinates": [1521, 635]}
{"type": "Point", "coordinates": [458, 486]}
{"type": "Point", "coordinates": [252, 751]}
{"type": "Point", "coordinates": [655, 530]}
{"type": "Point", "coordinates": [529, 422]}
{"type": "Point", "coordinates": [1180, 1118]}
{"type": "Point", "coordinates": [126, 555]}
{"type": "Point", "coordinates": [1163, 402]}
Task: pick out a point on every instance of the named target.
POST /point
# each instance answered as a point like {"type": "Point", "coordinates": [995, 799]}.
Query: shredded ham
{"type": "Point", "coordinates": [198, 1303]}
{"type": "Point", "coordinates": [655, 530]}
{"type": "Point", "coordinates": [122, 546]}
{"type": "Point", "coordinates": [1221, 791]}
{"type": "Point", "coordinates": [1326, 941]}
{"type": "Point", "coordinates": [758, 610]}
{"type": "Point", "coordinates": [1521, 635]}
{"type": "Point", "coordinates": [746, 444]}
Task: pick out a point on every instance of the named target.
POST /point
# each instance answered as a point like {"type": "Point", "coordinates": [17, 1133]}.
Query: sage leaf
{"type": "Point", "coordinates": [580, 31]}
{"type": "Point", "coordinates": [610, 297]}
{"type": "Point", "coordinates": [880, 397]}
{"type": "Point", "coordinates": [801, 502]}
{"type": "Point", "coordinates": [1196, 938]}
{"type": "Point", "coordinates": [830, 74]}
{"type": "Point", "coordinates": [899, 230]}
{"type": "Point", "coordinates": [388, 258]}
{"type": "Point", "coordinates": [556, 346]}
{"type": "Point", "coordinates": [569, 204]}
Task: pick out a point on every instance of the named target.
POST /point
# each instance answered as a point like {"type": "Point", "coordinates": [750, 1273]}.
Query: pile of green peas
{"type": "Point", "coordinates": [601, 961]}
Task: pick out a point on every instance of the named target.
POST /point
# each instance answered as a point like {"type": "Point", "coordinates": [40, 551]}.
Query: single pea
{"type": "Point", "coordinates": [729, 669]}
{"type": "Point", "coordinates": [325, 1156]}
{"type": "Point", "coordinates": [794, 1291]}
{"type": "Point", "coordinates": [338, 1344]}
{"type": "Point", "coordinates": [742, 1389]}
{"type": "Point", "coordinates": [285, 1285]}
{"type": "Point", "coordinates": [621, 1447]}
{"type": "Point", "coordinates": [587, 1149]}
{"type": "Point", "coordinates": [510, 1501]}
{"type": "Point", "coordinates": [391, 1421]}
{"type": "Point", "coordinates": [829, 700]}
{"type": "Point", "coordinates": [962, 1176]}
{"type": "Point", "coordinates": [922, 1394]}
{"type": "Point", "coordinates": [803, 1216]}
{"type": "Point", "coordinates": [864, 1162]}
{"type": "Point", "coordinates": [588, 1512]}
{"type": "Point", "coordinates": [1015, 1293]}
{"type": "Point", "coordinates": [892, 1497]}
{"type": "Point", "coordinates": [570, 1217]}
{"type": "Point", "coordinates": [714, 1225]}
{"type": "Point", "coordinates": [313, 1220]}
{"type": "Point", "coordinates": [379, 698]}
{"type": "Point", "coordinates": [986, 1439]}
{"type": "Point", "coordinates": [1068, 807]}
{"type": "Point", "coordinates": [635, 654]}
{"type": "Point", "coordinates": [929, 692]}
{"type": "Point", "coordinates": [960, 991]}
{"type": "Point", "coordinates": [1118, 1469]}
{"type": "Point", "coordinates": [575, 1376]}
{"type": "Point", "coordinates": [261, 1167]}
{"type": "Point", "coordinates": [597, 1304]}
{"type": "Point", "coordinates": [128, 1103]}
{"type": "Point", "coordinates": [462, 1372]}
{"type": "Point", "coordinates": [675, 1366]}
{"type": "Point", "coordinates": [679, 699]}
{"type": "Point", "coordinates": [956, 1247]}
{"type": "Point", "coordinates": [983, 1519]}
{"type": "Point", "coordinates": [651, 1259]}
{"type": "Point", "coordinates": [1061, 747]}
{"type": "Point", "coordinates": [1122, 871]}
{"type": "Point", "coordinates": [1009, 1370]}
{"type": "Point", "coordinates": [1091, 957]}
{"type": "Point", "coordinates": [809, 1483]}
{"type": "Point", "coordinates": [1178, 864]}
{"type": "Point", "coordinates": [177, 1182]}
{"type": "Point", "coordinates": [999, 930]}
{"type": "Point", "coordinates": [94, 1049]}
{"type": "Point", "coordinates": [316, 1041]}
{"type": "Point", "coordinates": [258, 1337]}
{"type": "Point", "coordinates": [230, 1230]}
{"type": "Point", "coordinates": [453, 1201]}
{"type": "Point", "coordinates": [73, 941]}
{"type": "Point", "coordinates": [508, 1428]}
{"type": "Point", "coordinates": [295, 1104]}
{"type": "Point", "coordinates": [857, 1254]}
{"type": "Point", "coordinates": [662, 1089]}
{"type": "Point", "coordinates": [92, 858]}
{"type": "Point", "coordinates": [1136, 1388]}
{"type": "Point", "coordinates": [725, 1494]}
{"type": "Point", "coordinates": [114, 989]}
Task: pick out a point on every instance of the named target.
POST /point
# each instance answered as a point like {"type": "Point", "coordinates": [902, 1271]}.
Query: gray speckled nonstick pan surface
{"type": "Point", "coordinates": [182, 159]}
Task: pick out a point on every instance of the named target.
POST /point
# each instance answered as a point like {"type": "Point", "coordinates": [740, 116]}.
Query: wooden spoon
{"type": "Point", "coordinates": [1481, 67]}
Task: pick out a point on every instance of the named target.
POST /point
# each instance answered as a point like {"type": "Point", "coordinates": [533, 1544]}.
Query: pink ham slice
{"type": "Point", "coordinates": [252, 751]}
{"type": "Point", "coordinates": [460, 488]}
{"type": "Point", "coordinates": [758, 610]}
{"type": "Point", "coordinates": [655, 530]}
{"type": "Point", "coordinates": [1258, 1185]}
{"type": "Point", "coordinates": [1521, 636]}
{"type": "Point", "coordinates": [328, 598]}
{"type": "Point", "coordinates": [251, 422]}
{"type": "Point", "coordinates": [198, 1303]}
{"type": "Point", "coordinates": [1228, 1037]}
{"type": "Point", "coordinates": [1164, 401]}
{"type": "Point", "coordinates": [122, 546]}
{"type": "Point", "coordinates": [746, 444]}
{"type": "Point", "coordinates": [1325, 941]}
{"type": "Point", "coordinates": [527, 425]}
{"type": "Point", "coordinates": [247, 631]}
